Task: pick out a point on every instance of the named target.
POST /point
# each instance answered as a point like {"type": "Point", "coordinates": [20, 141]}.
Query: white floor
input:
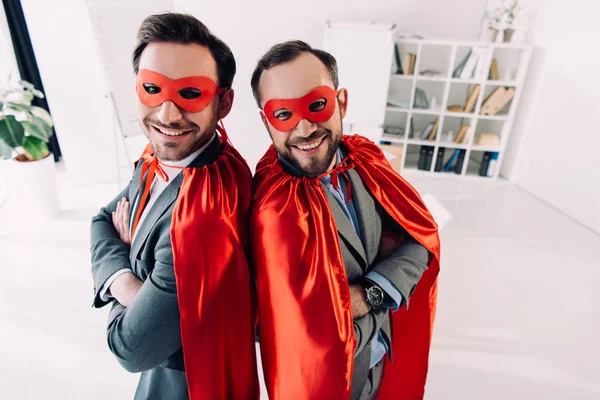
{"type": "Point", "coordinates": [518, 308]}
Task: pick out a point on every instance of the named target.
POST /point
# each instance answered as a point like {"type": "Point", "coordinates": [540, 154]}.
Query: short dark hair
{"type": "Point", "coordinates": [185, 29]}
{"type": "Point", "coordinates": [286, 52]}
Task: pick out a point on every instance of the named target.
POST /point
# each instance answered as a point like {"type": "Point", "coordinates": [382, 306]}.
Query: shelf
{"type": "Point", "coordinates": [501, 83]}
{"type": "Point", "coordinates": [421, 142]}
{"type": "Point", "coordinates": [427, 111]}
{"type": "Point", "coordinates": [493, 117]}
{"type": "Point", "coordinates": [391, 138]}
{"type": "Point", "coordinates": [401, 76]}
{"type": "Point", "coordinates": [459, 115]}
{"type": "Point", "coordinates": [453, 145]}
{"type": "Point", "coordinates": [396, 109]}
{"type": "Point", "coordinates": [431, 78]}
{"type": "Point", "coordinates": [467, 81]}
{"type": "Point", "coordinates": [484, 148]}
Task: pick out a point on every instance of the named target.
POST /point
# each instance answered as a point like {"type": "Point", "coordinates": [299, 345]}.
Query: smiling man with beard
{"type": "Point", "coordinates": [339, 241]}
{"type": "Point", "coordinates": [172, 262]}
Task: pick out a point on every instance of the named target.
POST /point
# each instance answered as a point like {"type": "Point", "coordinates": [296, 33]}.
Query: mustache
{"type": "Point", "coordinates": [318, 134]}
{"type": "Point", "coordinates": [175, 125]}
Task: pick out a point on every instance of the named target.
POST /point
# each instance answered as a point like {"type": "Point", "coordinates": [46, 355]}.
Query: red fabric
{"type": "Point", "coordinates": [300, 108]}
{"type": "Point", "coordinates": [209, 238]}
{"type": "Point", "coordinates": [169, 90]}
{"type": "Point", "coordinates": [305, 316]}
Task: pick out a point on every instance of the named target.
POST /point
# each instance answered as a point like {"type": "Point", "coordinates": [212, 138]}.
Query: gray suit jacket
{"type": "Point", "coordinates": [403, 268]}
{"type": "Point", "coordinates": [145, 336]}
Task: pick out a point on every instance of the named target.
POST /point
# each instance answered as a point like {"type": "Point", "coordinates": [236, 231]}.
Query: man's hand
{"type": "Point", "coordinates": [120, 219]}
{"type": "Point", "coordinates": [125, 287]}
{"type": "Point", "coordinates": [360, 307]}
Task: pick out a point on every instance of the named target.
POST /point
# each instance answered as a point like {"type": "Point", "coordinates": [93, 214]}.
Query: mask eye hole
{"type": "Point", "coordinates": [317, 105]}
{"type": "Point", "coordinates": [151, 88]}
{"type": "Point", "coordinates": [283, 115]}
{"type": "Point", "coordinates": [190, 93]}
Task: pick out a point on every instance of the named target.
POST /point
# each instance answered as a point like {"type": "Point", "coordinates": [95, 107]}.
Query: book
{"type": "Point", "coordinates": [481, 71]}
{"type": "Point", "coordinates": [427, 131]}
{"type": "Point", "coordinates": [439, 160]}
{"type": "Point", "coordinates": [460, 159]}
{"type": "Point", "coordinates": [501, 102]}
{"type": "Point", "coordinates": [462, 134]}
{"type": "Point", "coordinates": [488, 140]}
{"type": "Point", "coordinates": [455, 108]}
{"type": "Point", "coordinates": [470, 104]}
{"type": "Point", "coordinates": [458, 70]}
{"type": "Point", "coordinates": [422, 158]}
{"type": "Point", "coordinates": [470, 65]}
{"type": "Point", "coordinates": [494, 75]}
{"type": "Point", "coordinates": [434, 130]}
{"type": "Point", "coordinates": [492, 165]}
{"type": "Point", "coordinates": [485, 162]}
{"type": "Point", "coordinates": [398, 60]}
{"type": "Point", "coordinates": [409, 63]}
{"type": "Point", "coordinates": [420, 99]}
{"type": "Point", "coordinates": [429, 158]}
{"type": "Point", "coordinates": [451, 161]}
{"type": "Point", "coordinates": [486, 108]}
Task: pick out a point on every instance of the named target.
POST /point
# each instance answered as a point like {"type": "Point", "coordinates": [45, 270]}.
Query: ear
{"type": "Point", "coordinates": [264, 120]}
{"type": "Point", "coordinates": [343, 101]}
{"type": "Point", "coordinates": [226, 103]}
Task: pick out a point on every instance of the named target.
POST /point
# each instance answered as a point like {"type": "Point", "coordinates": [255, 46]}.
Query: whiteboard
{"type": "Point", "coordinates": [115, 24]}
{"type": "Point", "coordinates": [364, 54]}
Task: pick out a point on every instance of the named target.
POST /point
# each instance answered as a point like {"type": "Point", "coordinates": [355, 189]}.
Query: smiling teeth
{"type": "Point", "coordinates": [310, 146]}
{"type": "Point", "coordinates": [170, 133]}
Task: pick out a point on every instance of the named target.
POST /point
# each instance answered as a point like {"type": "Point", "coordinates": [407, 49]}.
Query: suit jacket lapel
{"type": "Point", "coordinates": [162, 204]}
{"type": "Point", "coordinates": [344, 226]}
{"type": "Point", "coordinates": [169, 195]}
{"type": "Point", "coordinates": [369, 221]}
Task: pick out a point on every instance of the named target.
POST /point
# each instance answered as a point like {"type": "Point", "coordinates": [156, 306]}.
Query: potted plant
{"type": "Point", "coordinates": [510, 16]}
{"type": "Point", "coordinates": [25, 131]}
{"type": "Point", "coordinates": [493, 21]}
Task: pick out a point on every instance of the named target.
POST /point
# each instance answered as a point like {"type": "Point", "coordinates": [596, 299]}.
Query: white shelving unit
{"type": "Point", "coordinates": [444, 56]}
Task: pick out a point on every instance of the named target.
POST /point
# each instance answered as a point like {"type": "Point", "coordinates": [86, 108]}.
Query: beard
{"type": "Point", "coordinates": [315, 165]}
{"type": "Point", "coordinates": [178, 148]}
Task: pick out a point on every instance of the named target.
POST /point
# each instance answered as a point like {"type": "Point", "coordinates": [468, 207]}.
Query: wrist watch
{"type": "Point", "coordinates": [374, 294]}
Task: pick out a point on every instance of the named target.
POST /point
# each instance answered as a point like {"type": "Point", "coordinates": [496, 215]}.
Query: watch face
{"type": "Point", "coordinates": [375, 296]}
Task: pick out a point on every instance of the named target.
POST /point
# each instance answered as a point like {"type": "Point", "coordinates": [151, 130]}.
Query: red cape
{"type": "Point", "coordinates": [305, 314]}
{"type": "Point", "coordinates": [209, 237]}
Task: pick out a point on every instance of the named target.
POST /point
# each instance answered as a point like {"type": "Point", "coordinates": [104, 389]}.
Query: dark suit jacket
{"type": "Point", "coordinates": [145, 336]}
{"type": "Point", "coordinates": [403, 268]}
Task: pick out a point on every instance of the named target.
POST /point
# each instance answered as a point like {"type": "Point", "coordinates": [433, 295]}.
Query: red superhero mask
{"type": "Point", "coordinates": [317, 106]}
{"type": "Point", "coordinates": [192, 93]}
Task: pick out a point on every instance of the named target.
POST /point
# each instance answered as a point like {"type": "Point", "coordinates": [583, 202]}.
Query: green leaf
{"type": "Point", "coordinates": [42, 113]}
{"type": "Point", "coordinates": [11, 131]}
{"type": "Point", "coordinates": [5, 150]}
{"type": "Point", "coordinates": [18, 107]}
{"type": "Point", "coordinates": [35, 147]}
{"type": "Point", "coordinates": [38, 127]}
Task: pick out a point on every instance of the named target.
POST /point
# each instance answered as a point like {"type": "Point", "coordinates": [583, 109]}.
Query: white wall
{"type": "Point", "coordinates": [73, 77]}
{"type": "Point", "coordinates": [555, 145]}
{"type": "Point", "coordinates": [251, 27]}
{"type": "Point", "coordinates": [69, 63]}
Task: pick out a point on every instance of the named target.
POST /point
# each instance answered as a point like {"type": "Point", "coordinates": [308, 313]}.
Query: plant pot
{"type": "Point", "coordinates": [508, 34]}
{"type": "Point", "coordinates": [492, 34]}
{"type": "Point", "coordinates": [32, 190]}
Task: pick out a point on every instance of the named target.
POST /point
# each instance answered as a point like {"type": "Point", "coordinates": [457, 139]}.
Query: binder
{"type": "Point", "coordinates": [460, 159]}
{"type": "Point", "coordinates": [485, 162]}
{"type": "Point", "coordinates": [439, 161]}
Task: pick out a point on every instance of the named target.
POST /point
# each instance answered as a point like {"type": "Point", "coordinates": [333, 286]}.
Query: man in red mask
{"type": "Point", "coordinates": [169, 252]}
{"type": "Point", "coordinates": [346, 253]}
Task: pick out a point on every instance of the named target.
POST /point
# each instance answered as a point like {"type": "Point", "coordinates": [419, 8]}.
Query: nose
{"type": "Point", "coordinates": [305, 128]}
{"type": "Point", "coordinates": [169, 113]}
